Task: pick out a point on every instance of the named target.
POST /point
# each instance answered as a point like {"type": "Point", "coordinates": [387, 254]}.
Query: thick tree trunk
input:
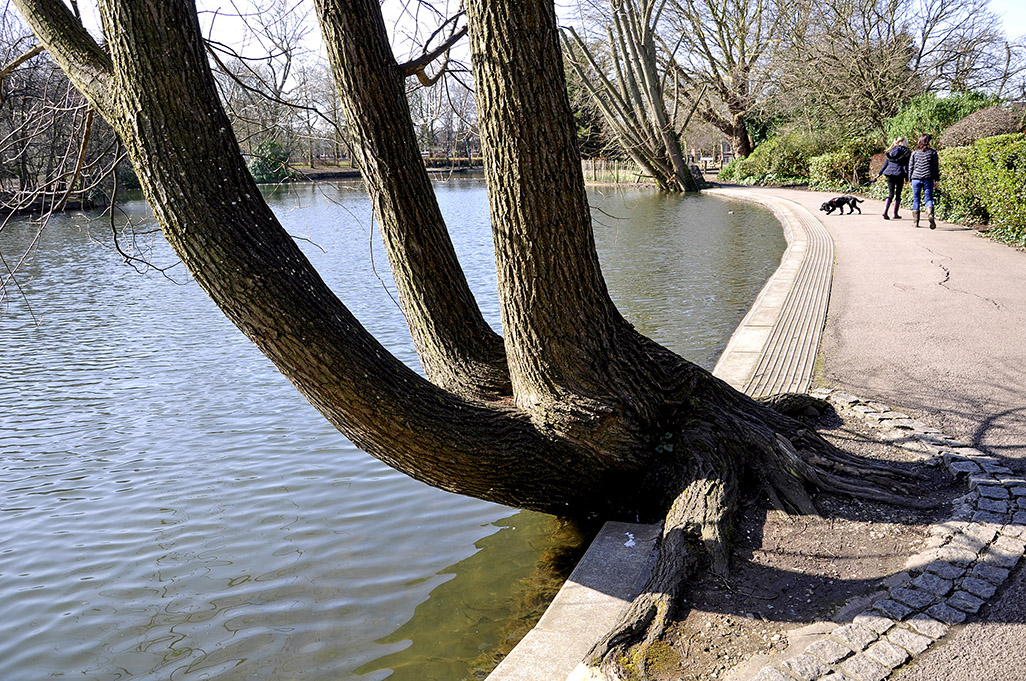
{"type": "Point", "coordinates": [458, 349]}
{"type": "Point", "coordinates": [603, 421]}
{"type": "Point", "coordinates": [578, 367]}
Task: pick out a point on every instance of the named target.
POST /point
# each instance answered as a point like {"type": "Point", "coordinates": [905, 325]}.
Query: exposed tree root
{"type": "Point", "coordinates": [734, 447]}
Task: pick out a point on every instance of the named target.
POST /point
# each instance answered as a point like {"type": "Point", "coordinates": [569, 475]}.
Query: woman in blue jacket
{"type": "Point", "coordinates": [895, 169]}
{"type": "Point", "coordinates": [923, 171]}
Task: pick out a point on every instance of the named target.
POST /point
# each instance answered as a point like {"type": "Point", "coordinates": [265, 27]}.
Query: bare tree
{"type": "Point", "coordinates": [626, 81]}
{"type": "Point", "coordinates": [723, 49]}
{"type": "Point", "coordinates": [855, 63]}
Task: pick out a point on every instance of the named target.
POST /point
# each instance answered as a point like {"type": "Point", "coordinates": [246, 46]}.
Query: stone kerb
{"type": "Point", "coordinates": [966, 559]}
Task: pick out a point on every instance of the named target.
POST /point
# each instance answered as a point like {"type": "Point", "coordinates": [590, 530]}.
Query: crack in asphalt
{"type": "Point", "coordinates": [947, 277]}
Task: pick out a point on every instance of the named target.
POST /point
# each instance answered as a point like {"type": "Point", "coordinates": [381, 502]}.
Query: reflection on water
{"type": "Point", "coordinates": [170, 507]}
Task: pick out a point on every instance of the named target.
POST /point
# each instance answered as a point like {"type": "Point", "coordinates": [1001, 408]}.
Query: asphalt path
{"type": "Point", "coordinates": [933, 323]}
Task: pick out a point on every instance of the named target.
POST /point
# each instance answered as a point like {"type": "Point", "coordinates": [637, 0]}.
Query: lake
{"type": "Point", "coordinates": [171, 508]}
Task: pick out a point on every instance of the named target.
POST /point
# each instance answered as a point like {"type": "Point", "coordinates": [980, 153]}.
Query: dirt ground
{"type": "Point", "coordinates": [791, 571]}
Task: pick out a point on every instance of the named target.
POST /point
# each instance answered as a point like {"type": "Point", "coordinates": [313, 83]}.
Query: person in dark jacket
{"type": "Point", "coordinates": [923, 171]}
{"type": "Point", "coordinates": [895, 169]}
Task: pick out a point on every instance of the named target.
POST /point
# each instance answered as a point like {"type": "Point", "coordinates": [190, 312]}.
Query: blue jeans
{"type": "Point", "coordinates": [922, 187]}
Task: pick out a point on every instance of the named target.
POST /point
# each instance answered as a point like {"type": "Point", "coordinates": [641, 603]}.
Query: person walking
{"type": "Point", "coordinates": [923, 172]}
{"type": "Point", "coordinates": [895, 169]}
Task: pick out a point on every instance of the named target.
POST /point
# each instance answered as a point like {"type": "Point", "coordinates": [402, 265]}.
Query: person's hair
{"type": "Point", "coordinates": [896, 142]}
{"type": "Point", "coordinates": [924, 141]}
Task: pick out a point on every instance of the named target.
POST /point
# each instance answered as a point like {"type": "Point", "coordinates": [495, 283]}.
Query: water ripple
{"type": "Point", "coordinates": [170, 507]}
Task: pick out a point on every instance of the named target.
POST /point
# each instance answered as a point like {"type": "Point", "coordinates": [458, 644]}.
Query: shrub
{"type": "Point", "coordinates": [957, 199]}
{"type": "Point", "coordinates": [270, 163]}
{"type": "Point", "coordinates": [843, 168]}
{"type": "Point", "coordinates": [929, 113]}
{"type": "Point", "coordinates": [985, 183]}
{"type": "Point", "coordinates": [783, 159]}
{"type": "Point", "coordinates": [1001, 182]}
{"type": "Point", "coordinates": [989, 122]}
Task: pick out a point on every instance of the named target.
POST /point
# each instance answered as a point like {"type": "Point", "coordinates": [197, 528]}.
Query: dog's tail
{"type": "Point", "coordinates": [858, 200]}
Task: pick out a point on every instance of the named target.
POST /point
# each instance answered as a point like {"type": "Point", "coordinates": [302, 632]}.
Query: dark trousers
{"type": "Point", "coordinates": [895, 183]}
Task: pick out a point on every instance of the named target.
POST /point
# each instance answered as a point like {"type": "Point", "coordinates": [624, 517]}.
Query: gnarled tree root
{"type": "Point", "coordinates": [745, 448]}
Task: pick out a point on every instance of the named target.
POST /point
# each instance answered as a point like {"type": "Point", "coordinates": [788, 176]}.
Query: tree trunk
{"type": "Point", "coordinates": [602, 420]}
{"type": "Point", "coordinates": [458, 349]}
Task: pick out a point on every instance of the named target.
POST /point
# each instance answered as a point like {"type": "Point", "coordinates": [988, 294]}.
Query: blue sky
{"type": "Point", "coordinates": [1014, 14]}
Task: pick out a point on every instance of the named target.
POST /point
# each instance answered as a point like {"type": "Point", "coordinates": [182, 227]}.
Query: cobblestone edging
{"type": "Point", "coordinates": [967, 558]}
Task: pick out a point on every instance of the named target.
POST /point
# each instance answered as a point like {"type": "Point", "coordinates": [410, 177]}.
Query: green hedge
{"type": "Point", "coordinates": [783, 159]}
{"type": "Point", "coordinates": [844, 168]}
{"type": "Point", "coordinates": [986, 183]}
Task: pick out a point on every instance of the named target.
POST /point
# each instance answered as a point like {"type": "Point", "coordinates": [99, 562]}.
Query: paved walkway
{"type": "Point", "coordinates": [932, 323]}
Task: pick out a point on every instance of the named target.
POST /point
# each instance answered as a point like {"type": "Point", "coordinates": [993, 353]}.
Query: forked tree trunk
{"type": "Point", "coordinates": [602, 420]}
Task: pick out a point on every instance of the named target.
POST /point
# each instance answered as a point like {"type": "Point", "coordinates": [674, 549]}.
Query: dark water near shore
{"type": "Point", "coordinates": [170, 507]}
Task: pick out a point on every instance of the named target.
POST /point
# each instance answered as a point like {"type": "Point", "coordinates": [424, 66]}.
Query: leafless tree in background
{"type": "Point", "coordinates": [625, 75]}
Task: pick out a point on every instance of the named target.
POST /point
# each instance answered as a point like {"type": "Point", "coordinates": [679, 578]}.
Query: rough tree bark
{"type": "Point", "coordinates": [601, 421]}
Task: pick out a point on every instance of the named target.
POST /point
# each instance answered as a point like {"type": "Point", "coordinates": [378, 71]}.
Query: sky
{"type": "Point", "coordinates": [1013, 12]}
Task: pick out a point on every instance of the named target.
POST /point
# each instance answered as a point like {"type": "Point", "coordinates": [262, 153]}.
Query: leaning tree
{"type": "Point", "coordinates": [571, 411]}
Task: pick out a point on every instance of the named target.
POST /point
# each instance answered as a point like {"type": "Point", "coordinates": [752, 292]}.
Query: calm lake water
{"type": "Point", "coordinates": [170, 507]}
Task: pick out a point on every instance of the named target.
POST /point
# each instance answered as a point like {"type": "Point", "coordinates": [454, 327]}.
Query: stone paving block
{"type": "Point", "coordinates": [945, 613]}
{"type": "Point", "coordinates": [1020, 502]}
{"type": "Point", "coordinates": [863, 668]}
{"type": "Point", "coordinates": [909, 640]}
{"type": "Point", "coordinates": [893, 609]}
{"type": "Point", "coordinates": [956, 555]}
{"type": "Point", "coordinates": [992, 574]}
{"type": "Point", "coordinates": [933, 583]}
{"type": "Point", "coordinates": [843, 398]}
{"type": "Point", "coordinates": [993, 505]}
{"type": "Point", "coordinates": [873, 621]}
{"type": "Point", "coordinates": [963, 512]}
{"type": "Point", "coordinates": [1016, 528]}
{"type": "Point", "coordinates": [947, 528]}
{"type": "Point", "coordinates": [1018, 490]}
{"type": "Point", "coordinates": [1009, 544]}
{"type": "Point", "coordinates": [828, 650]}
{"type": "Point", "coordinates": [965, 601]}
{"type": "Point", "coordinates": [927, 626]}
{"type": "Point", "coordinates": [963, 468]}
{"type": "Point", "coordinates": [837, 676]}
{"type": "Point", "coordinates": [993, 492]}
{"type": "Point", "coordinates": [992, 466]}
{"type": "Point", "coordinates": [964, 541]}
{"type": "Point", "coordinates": [1005, 552]}
{"type": "Point", "coordinates": [771, 674]}
{"type": "Point", "coordinates": [945, 570]}
{"type": "Point", "coordinates": [982, 480]}
{"type": "Point", "coordinates": [985, 533]}
{"type": "Point", "coordinates": [805, 667]}
{"type": "Point", "coordinates": [887, 654]}
{"type": "Point", "coordinates": [913, 598]}
{"type": "Point", "coordinates": [864, 409]}
{"type": "Point", "coordinates": [923, 428]}
{"type": "Point", "coordinates": [979, 587]}
{"type": "Point", "coordinates": [855, 636]}
{"type": "Point", "coordinates": [988, 517]}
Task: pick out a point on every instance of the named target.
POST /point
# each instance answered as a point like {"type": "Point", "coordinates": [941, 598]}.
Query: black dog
{"type": "Point", "coordinates": [840, 202]}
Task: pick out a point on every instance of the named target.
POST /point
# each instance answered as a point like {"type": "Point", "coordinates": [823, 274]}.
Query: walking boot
{"type": "Point", "coordinates": [887, 207]}
{"type": "Point", "coordinates": [929, 216]}
{"type": "Point", "coordinates": [897, 203]}
{"type": "Point", "coordinates": [915, 217]}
